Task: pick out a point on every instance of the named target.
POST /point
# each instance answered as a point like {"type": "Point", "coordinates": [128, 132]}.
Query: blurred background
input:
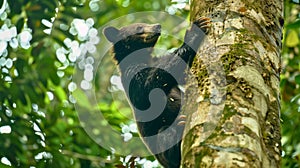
{"type": "Point", "coordinates": [51, 49]}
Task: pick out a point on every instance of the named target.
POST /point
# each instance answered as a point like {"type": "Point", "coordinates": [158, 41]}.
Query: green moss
{"type": "Point", "coordinates": [228, 112]}
{"type": "Point", "coordinates": [238, 52]}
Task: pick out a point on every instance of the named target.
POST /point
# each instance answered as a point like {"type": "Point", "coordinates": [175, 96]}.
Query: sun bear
{"type": "Point", "coordinates": [151, 83]}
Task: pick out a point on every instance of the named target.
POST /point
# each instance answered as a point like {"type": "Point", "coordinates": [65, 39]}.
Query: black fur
{"type": "Point", "coordinates": [151, 84]}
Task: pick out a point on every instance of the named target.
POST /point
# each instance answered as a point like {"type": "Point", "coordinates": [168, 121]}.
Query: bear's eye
{"type": "Point", "coordinates": [139, 30]}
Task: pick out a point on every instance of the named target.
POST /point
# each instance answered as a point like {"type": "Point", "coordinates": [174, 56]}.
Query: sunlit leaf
{"type": "Point", "coordinates": [60, 93]}
{"type": "Point", "coordinates": [292, 39]}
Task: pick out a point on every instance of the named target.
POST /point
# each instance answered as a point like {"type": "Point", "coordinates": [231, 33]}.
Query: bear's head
{"type": "Point", "coordinates": [132, 38]}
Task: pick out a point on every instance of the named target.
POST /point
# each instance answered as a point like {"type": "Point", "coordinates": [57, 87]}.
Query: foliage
{"type": "Point", "coordinates": [40, 43]}
{"type": "Point", "coordinates": [39, 46]}
{"type": "Point", "coordinates": [39, 126]}
{"type": "Point", "coordinates": [289, 85]}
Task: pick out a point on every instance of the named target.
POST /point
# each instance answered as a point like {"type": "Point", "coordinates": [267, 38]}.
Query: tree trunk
{"type": "Point", "coordinates": [232, 98]}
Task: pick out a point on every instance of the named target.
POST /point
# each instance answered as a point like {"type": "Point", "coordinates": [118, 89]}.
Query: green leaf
{"type": "Point", "coordinates": [292, 39]}
{"type": "Point", "coordinates": [60, 93]}
{"type": "Point", "coordinates": [295, 98]}
{"type": "Point", "coordinates": [20, 24]}
{"type": "Point", "coordinates": [294, 25]}
{"type": "Point", "coordinates": [297, 79]}
{"type": "Point", "coordinates": [54, 78]}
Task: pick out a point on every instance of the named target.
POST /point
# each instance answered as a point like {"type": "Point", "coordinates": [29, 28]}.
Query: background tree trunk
{"type": "Point", "coordinates": [232, 100]}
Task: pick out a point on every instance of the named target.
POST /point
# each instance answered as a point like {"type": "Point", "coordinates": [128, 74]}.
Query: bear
{"type": "Point", "coordinates": [152, 83]}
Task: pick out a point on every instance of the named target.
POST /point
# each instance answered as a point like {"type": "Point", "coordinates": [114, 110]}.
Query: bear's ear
{"type": "Point", "coordinates": [111, 33]}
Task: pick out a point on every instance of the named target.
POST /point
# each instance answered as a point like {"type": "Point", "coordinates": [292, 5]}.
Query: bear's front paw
{"type": "Point", "coordinates": [203, 23]}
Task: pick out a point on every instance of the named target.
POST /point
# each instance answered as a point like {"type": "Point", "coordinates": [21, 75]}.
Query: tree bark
{"type": "Point", "coordinates": [232, 98]}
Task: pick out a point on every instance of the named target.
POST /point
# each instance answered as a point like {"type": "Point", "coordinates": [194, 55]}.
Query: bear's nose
{"type": "Point", "coordinates": [157, 28]}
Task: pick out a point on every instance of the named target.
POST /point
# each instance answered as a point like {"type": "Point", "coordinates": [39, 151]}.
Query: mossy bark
{"type": "Point", "coordinates": [232, 98]}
